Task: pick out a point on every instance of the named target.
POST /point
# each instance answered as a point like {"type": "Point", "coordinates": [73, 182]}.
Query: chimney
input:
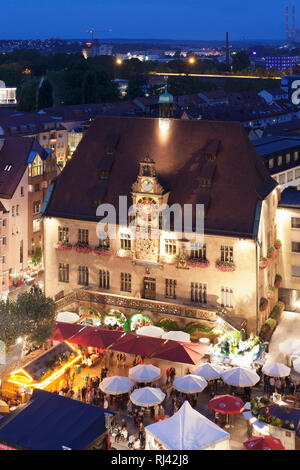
{"type": "Point", "coordinates": [287, 28]}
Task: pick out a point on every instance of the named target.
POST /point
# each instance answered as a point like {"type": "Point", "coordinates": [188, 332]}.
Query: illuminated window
{"type": "Point", "coordinates": [198, 251]}
{"type": "Point", "coordinates": [63, 234]}
{"type": "Point", "coordinates": [63, 272]}
{"type": "Point", "coordinates": [36, 207]}
{"type": "Point", "coordinates": [282, 178]}
{"type": "Point", "coordinates": [125, 241]}
{"type": "Point", "coordinates": [36, 225]}
{"type": "Point", "coordinates": [227, 254]}
{"type": "Point", "coordinates": [295, 247]}
{"type": "Point", "coordinates": [83, 236]}
{"type": "Point", "coordinates": [170, 247]}
{"type": "Point", "coordinates": [227, 297]}
{"type": "Point", "coordinates": [198, 293]}
{"type": "Point", "coordinates": [290, 176]}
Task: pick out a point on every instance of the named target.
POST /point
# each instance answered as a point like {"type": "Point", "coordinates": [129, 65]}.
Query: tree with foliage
{"type": "Point", "coordinates": [31, 316]}
{"type": "Point", "coordinates": [37, 257]}
{"type": "Point", "coordinates": [26, 95]}
{"type": "Point", "coordinates": [241, 61]}
{"type": "Point", "coordinates": [89, 87]}
{"type": "Point", "coordinates": [135, 88]}
{"type": "Point", "coordinates": [45, 95]}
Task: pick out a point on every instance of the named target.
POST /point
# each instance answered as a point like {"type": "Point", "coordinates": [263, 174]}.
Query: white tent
{"type": "Point", "coordinates": [240, 377]}
{"type": "Point", "coordinates": [208, 371]}
{"type": "Point", "coordinates": [190, 383]}
{"type": "Point", "coordinates": [290, 346]}
{"type": "Point", "coordinates": [67, 317]}
{"type": "Point", "coordinates": [178, 336]}
{"type": "Point", "coordinates": [150, 330]}
{"type": "Point", "coordinates": [296, 365]}
{"type": "Point", "coordinates": [186, 430]}
{"type": "Point", "coordinates": [276, 369]}
{"type": "Point", "coordinates": [147, 396]}
{"type": "Point", "coordinates": [144, 373]}
{"type": "Point", "coordinates": [116, 385]}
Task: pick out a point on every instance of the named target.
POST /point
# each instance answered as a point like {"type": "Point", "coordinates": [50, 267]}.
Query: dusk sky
{"type": "Point", "coordinates": [174, 19]}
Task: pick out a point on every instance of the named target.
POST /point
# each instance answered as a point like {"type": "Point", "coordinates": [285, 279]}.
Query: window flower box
{"type": "Point", "coordinates": [277, 244]}
{"type": "Point", "coordinates": [225, 266]}
{"type": "Point", "coordinates": [102, 251]}
{"type": "Point", "coordinates": [198, 263]}
{"type": "Point", "coordinates": [169, 259]}
{"type": "Point", "coordinates": [263, 304]}
{"type": "Point", "coordinates": [82, 248]}
{"type": "Point", "coordinates": [263, 263]}
{"type": "Point", "coordinates": [278, 281]}
{"type": "Point", "coordinates": [272, 252]}
{"type": "Point", "coordinates": [122, 253]}
{"type": "Point", "coordinates": [62, 246]}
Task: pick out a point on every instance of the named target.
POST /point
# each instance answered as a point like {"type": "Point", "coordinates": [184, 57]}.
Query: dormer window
{"type": "Point", "coordinates": [205, 183]}
{"type": "Point", "coordinates": [8, 167]}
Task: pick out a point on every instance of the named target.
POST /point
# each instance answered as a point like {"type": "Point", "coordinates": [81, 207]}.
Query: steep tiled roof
{"type": "Point", "coordinates": [237, 180]}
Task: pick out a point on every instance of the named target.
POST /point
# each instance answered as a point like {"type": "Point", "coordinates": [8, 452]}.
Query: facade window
{"type": "Point", "coordinates": [3, 259]}
{"type": "Point", "coordinates": [36, 225]}
{"type": "Point", "coordinates": [4, 223]}
{"type": "Point", "coordinates": [170, 247]}
{"type": "Point", "coordinates": [83, 236]}
{"type": "Point", "coordinates": [295, 222]}
{"type": "Point", "coordinates": [279, 161]}
{"type": "Point", "coordinates": [297, 173]}
{"type": "Point", "coordinates": [125, 239]}
{"type": "Point", "coordinates": [63, 272]}
{"type": "Point", "coordinates": [295, 247]}
{"type": "Point", "coordinates": [63, 234]}
{"type": "Point", "coordinates": [3, 240]}
{"type": "Point", "coordinates": [288, 158]}
{"type": "Point", "coordinates": [198, 250]}
{"type": "Point", "coordinates": [103, 279]}
{"type": "Point", "coordinates": [125, 282]}
{"type": "Point", "coordinates": [13, 211]}
{"type": "Point", "coordinates": [282, 178]}
{"type": "Point", "coordinates": [271, 163]}
{"type": "Point", "coordinates": [22, 191]}
{"type": "Point", "coordinates": [36, 168]}
{"type": "Point", "coordinates": [104, 243]}
{"type": "Point", "coordinates": [295, 271]}
{"type": "Point", "coordinates": [227, 297]}
{"type": "Point", "coordinates": [21, 252]}
{"type": "Point", "coordinates": [17, 209]}
{"type": "Point", "coordinates": [36, 187]}
{"type": "Point", "coordinates": [296, 156]}
{"type": "Point", "coordinates": [36, 207]}
{"type": "Point", "coordinates": [170, 289]}
{"type": "Point", "coordinates": [198, 293]}
{"type": "Point", "coordinates": [290, 176]}
{"type": "Point", "coordinates": [227, 253]}
{"type": "Point", "coordinates": [83, 275]}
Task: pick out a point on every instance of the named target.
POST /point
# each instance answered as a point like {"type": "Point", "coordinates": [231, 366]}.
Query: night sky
{"type": "Point", "coordinates": [165, 19]}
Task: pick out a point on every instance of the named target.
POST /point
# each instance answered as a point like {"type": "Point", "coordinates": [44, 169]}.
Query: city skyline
{"type": "Point", "coordinates": [153, 19]}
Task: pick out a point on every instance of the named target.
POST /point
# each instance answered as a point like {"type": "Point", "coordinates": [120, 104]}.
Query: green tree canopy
{"type": "Point", "coordinates": [45, 95]}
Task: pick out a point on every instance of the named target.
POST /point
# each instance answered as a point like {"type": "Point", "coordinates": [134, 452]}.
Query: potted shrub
{"type": "Point", "coordinates": [271, 293]}
{"type": "Point", "coordinates": [278, 281]}
{"type": "Point", "coordinates": [263, 304]}
{"type": "Point", "coordinates": [271, 252]}
{"type": "Point", "coordinates": [225, 265]}
{"type": "Point", "coordinates": [277, 244]}
{"type": "Point", "coordinates": [263, 263]}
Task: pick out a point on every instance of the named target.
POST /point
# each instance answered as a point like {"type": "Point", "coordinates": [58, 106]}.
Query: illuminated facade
{"type": "Point", "coordinates": [168, 276]}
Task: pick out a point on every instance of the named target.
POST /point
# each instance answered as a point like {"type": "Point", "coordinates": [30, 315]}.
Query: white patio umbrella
{"type": "Point", "coordinates": [116, 385]}
{"type": "Point", "coordinates": [178, 336]}
{"type": "Point", "coordinates": [150, 330]}
{"type": "Point", "coordinates": [240, 377]}
{"type": "Point", "coordinates": [296, 365]}
{"type": "Point", "coordinates": [208, 371]}
{"type": "Point", "coordinates": [290, 346]}
{"type": "Point", "coordinates": [144, 373]}
{"type": "Point", "coordinates": [147, 396]}
{"type": "Point", "coordinates": [67, 317]}
{"type": "Point", "coordinates": [190, 383]}
{"type": "Point", "coordinates": [276, 369]}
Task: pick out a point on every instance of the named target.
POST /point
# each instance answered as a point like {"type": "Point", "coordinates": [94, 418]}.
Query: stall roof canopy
{"type": "Point", "coordinates": [187, 430]}
{"type": "Point", "coordinates": [50, 421]}
{"type": "Point", "coordinates": [175, 351]}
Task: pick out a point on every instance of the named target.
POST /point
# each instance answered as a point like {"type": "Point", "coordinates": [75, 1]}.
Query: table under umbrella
{"type": "Point", "coordinates": [263, 443]}
{"type": "Point", "coordinates": [116, 385]}
{"type": "Point", "coordinates": [208, 371]}
{"type": "Point", "coordinates": [144, 373]}
{"type": "Point", "coordinates": [240, 377]}
{"type": "Point", "coordinates": [147, 396]}
{"type": "Point", "coordinates": [190, 383]}
{"type": "Point", "coordinates": [276, 369]}
{"type": "Point", "coordinates": [226, 404]}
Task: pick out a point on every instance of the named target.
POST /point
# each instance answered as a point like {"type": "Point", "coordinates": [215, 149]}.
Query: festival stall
{"type": "Point", "coordinates": [186, 430]}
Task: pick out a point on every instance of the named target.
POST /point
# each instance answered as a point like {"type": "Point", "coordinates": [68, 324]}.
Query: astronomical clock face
{"type": "Point", "coordinates": [147, 209]}
{"type": "Point", "coordinates": [147, 185]}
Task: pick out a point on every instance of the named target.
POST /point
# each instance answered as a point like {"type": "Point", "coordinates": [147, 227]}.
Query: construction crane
{"type": "Point", "coordinates": [93, 30]}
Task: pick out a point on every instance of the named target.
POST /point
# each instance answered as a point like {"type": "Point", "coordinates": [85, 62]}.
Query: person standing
{"type": "Point", "coordinates": [167, 375]}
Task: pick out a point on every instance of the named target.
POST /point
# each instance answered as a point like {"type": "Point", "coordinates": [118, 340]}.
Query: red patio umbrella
{"type": "Point", "coordinates": [178, 351]}
{"type": "Point", "coordinates": [263, 443]}
{"type": "Point", "coordinates": [226, 404]}
{"type": "Point", "coordinates": [63, 331]}
{"type": "Point", "coordinates": [85, 335]}
{"type": "Point", "coordinates": [130, 343]}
